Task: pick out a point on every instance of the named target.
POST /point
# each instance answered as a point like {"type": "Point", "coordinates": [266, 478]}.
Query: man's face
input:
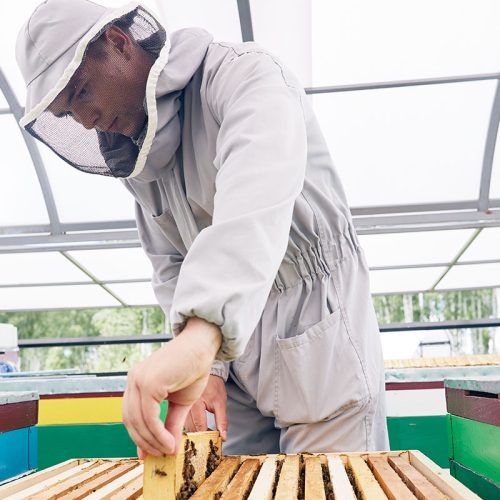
{"type": "Point", "coordinates": [107, 91]}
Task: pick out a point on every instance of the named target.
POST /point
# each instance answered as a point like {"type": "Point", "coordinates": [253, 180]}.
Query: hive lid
{"type": "Point", "coordinates": [489, 383]}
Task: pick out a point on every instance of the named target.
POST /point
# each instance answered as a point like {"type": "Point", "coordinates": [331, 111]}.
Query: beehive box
{"type": "Point", "coordinates": [18, 433]}
{"type": "Point", "coordinates": [199, 472]}
{"type": "Point", "coordinates": [473, 406]}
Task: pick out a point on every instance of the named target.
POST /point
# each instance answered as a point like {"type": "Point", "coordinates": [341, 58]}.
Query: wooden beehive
{"type": "Point", "coordinates": [394, 475]}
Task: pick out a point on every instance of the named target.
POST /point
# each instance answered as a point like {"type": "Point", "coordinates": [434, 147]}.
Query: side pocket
{"type": "Point", "coordinates": [168, 227]}
{"type": "Point", "coordinates": [318, 374]}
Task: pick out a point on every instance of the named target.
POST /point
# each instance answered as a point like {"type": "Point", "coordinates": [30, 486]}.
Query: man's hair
{"type": "Point", "coordinates": [151, 44]}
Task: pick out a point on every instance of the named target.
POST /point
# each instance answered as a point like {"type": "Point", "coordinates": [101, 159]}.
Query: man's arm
{"type": "Point", "coordinates": [261, 158]}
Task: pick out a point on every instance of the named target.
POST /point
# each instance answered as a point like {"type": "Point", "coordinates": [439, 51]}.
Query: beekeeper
{"type": "Point", "coordinates": [243, 217]}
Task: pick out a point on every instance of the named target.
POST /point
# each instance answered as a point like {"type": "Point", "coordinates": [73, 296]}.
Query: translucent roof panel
{"type": "Point", "coordinates": [82, 197]}
{"type": "Point", "coordinates": [485, 247]}
{"type": "Point", "coordinates": [404, 280]}
{"type": "Point", "coordinates": [115, 264]}
{"type": "Point", "coordinates": [3, 102]}
{"type": "Point", "coordinates": [393, 40]}
{"type": "Point", "coordinates": [135, 294]}
{"type": "Point", "coordinates": [473, 276]}
{"type": "Point", "coordinates": [284, 28]}
{"type": "Point", "coordinates": [41, 267]}
{"type": "Point", "coordinates": [219, 17]}
{"type": "Point", "coordinates": [425, 247]}
{"type": "Point", "coordinates": [21, 199]}
{"type": "Point", "coordinates": [408, 145]}
{"type": "Point", "coordinates": [55, 297]}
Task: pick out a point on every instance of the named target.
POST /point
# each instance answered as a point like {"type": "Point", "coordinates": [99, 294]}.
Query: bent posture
{"type": "Point", "coordinates": [243, 216]}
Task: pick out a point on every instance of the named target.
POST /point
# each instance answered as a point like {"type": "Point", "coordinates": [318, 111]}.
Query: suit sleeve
{"type": "Point", "coordinates": [229, 270]}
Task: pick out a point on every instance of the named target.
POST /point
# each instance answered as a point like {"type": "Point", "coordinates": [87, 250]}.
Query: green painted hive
{"type": "Point", "coordinates": [473, 407]}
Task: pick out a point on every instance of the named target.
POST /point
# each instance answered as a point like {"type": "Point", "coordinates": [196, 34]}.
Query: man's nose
{"type": "Point", "coordinates": [87, 116]}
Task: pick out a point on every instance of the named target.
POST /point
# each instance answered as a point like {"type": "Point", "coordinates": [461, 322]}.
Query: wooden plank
{"type": "Point", "coordinates": [106, 492]}
{"type": "Point", "coordinates": [132, 491]}
{"type": "Point", "coordinates": [14, 452]}
{"type": "Point", "coordinates": [427, 434]}
{"type": "Point", "coordinates": [476, 445]}
{"type": "Point", "coordinates": [11, 397]}
{"type": "Point", "coordinates": [218, 480]}
{"type": "Point", "coordinates": [100, 481]}
{"type": "Point", "coordinates": [52, 480]}
{"type": "Point", "coordinates": [37, 477]}
{"type": "Point", "coordinates": [58, 443]}
{"type": "Point", "coordinates": [18, 415]}
{"type": "Point", "coordinates": [342, 487]}
{"type": "Point", "coordinates": [417, 482]}
{"type": "Point", "coordinates": [366, 483]}
{"type": "Point", "coordinates": [477, 483]}
{"type": "Point", "coordinates": [159, 477]}
{"type": "Point", "coordinates": [472, 405]}
{"type": "Point", "coordinates": [73, 482]}
{"type": "Point", "coordinates": [242, 481]}
{"type": "Point", "coordinates": [71, 395]}
{"type": "Point", "coordinates": [80, 411]}
{"type": "Point", "coordinates": [314, 484]}
{"type": "Point", "coordinates": [387, 477]}
{"type": "Point", "coordinates": [263, 487]}
{"type": "Point", "coordinates": [440, 478]}
{"type": "Point", "coordinates": [288, 483]}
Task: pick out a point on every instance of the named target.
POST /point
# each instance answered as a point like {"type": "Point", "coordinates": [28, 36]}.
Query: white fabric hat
{"type": "Point", "coordinates": [50, 48]}
{"type": "Point", "coordinates": [47, 43]}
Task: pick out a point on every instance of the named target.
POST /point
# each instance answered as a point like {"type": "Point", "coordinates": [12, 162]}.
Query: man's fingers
{"type": "Point", "coordinates": [174, 421]}
{"type": "Point", "coordinates": [220, 412]}
{"type": "Point", "coordinates": [196, 421]}
{"type": "Point", "coordinates": [153, 426]}
{"type": "Point", "coordinates": [133, 420]}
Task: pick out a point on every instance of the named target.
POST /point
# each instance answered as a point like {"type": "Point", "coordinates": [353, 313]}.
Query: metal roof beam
{"type": "Point", "coordinates": [76, 283]}
{"type": "Point", "coordinates": [78, 241]}
{"type": "Point", "coordinates": [489, 152]}
{"type": "Point", "coordinates": [402, 83]}
{"type": "Point", "coordinates": [420, 207]}
{"type": "Point", "coordinates": [379, 224]}
{"type": "Point", "coordinates": [141, 339]}
{"type": "Point", "coordinates": [245, 15]}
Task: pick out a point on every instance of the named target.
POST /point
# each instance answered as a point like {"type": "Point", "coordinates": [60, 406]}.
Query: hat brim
{"type": "Point", "coordinates": [42, 91]}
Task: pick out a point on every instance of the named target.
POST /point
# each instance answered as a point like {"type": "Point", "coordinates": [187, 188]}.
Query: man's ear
{"type": "Point", "coordinates": [118, 41]}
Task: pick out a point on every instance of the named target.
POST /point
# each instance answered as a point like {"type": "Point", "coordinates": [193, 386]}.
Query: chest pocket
{"type": "Point", "coordinates": [169, 228]}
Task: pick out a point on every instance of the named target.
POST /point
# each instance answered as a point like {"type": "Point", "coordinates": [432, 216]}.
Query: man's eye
{"type": "Point", "coordinates": [82, 93]}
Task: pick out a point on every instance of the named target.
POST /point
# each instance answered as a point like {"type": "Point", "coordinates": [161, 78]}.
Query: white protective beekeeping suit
{"type": "Point", "coordinates": [243, 216]}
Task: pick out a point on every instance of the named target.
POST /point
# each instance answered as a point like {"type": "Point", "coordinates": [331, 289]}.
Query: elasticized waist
{"type": "Point", "coordinates": [316, 261]}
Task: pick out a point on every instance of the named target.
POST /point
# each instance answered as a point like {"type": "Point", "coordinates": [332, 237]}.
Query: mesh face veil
{"type": "Point", "coordinates": [99, 114]}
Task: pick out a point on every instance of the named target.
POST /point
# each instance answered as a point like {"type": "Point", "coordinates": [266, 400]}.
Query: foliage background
{"type": "Point", "coordinates": [459, 305]}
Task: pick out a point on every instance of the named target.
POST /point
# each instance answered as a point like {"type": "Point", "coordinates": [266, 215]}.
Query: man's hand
{"type": "Point", "coordinates": [178, 372]}
{"type": "Point", "coordinates": [214, 400]}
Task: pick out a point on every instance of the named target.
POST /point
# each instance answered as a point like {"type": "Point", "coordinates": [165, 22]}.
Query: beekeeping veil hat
{"type": "Point", "coordinates": [51, 47]}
